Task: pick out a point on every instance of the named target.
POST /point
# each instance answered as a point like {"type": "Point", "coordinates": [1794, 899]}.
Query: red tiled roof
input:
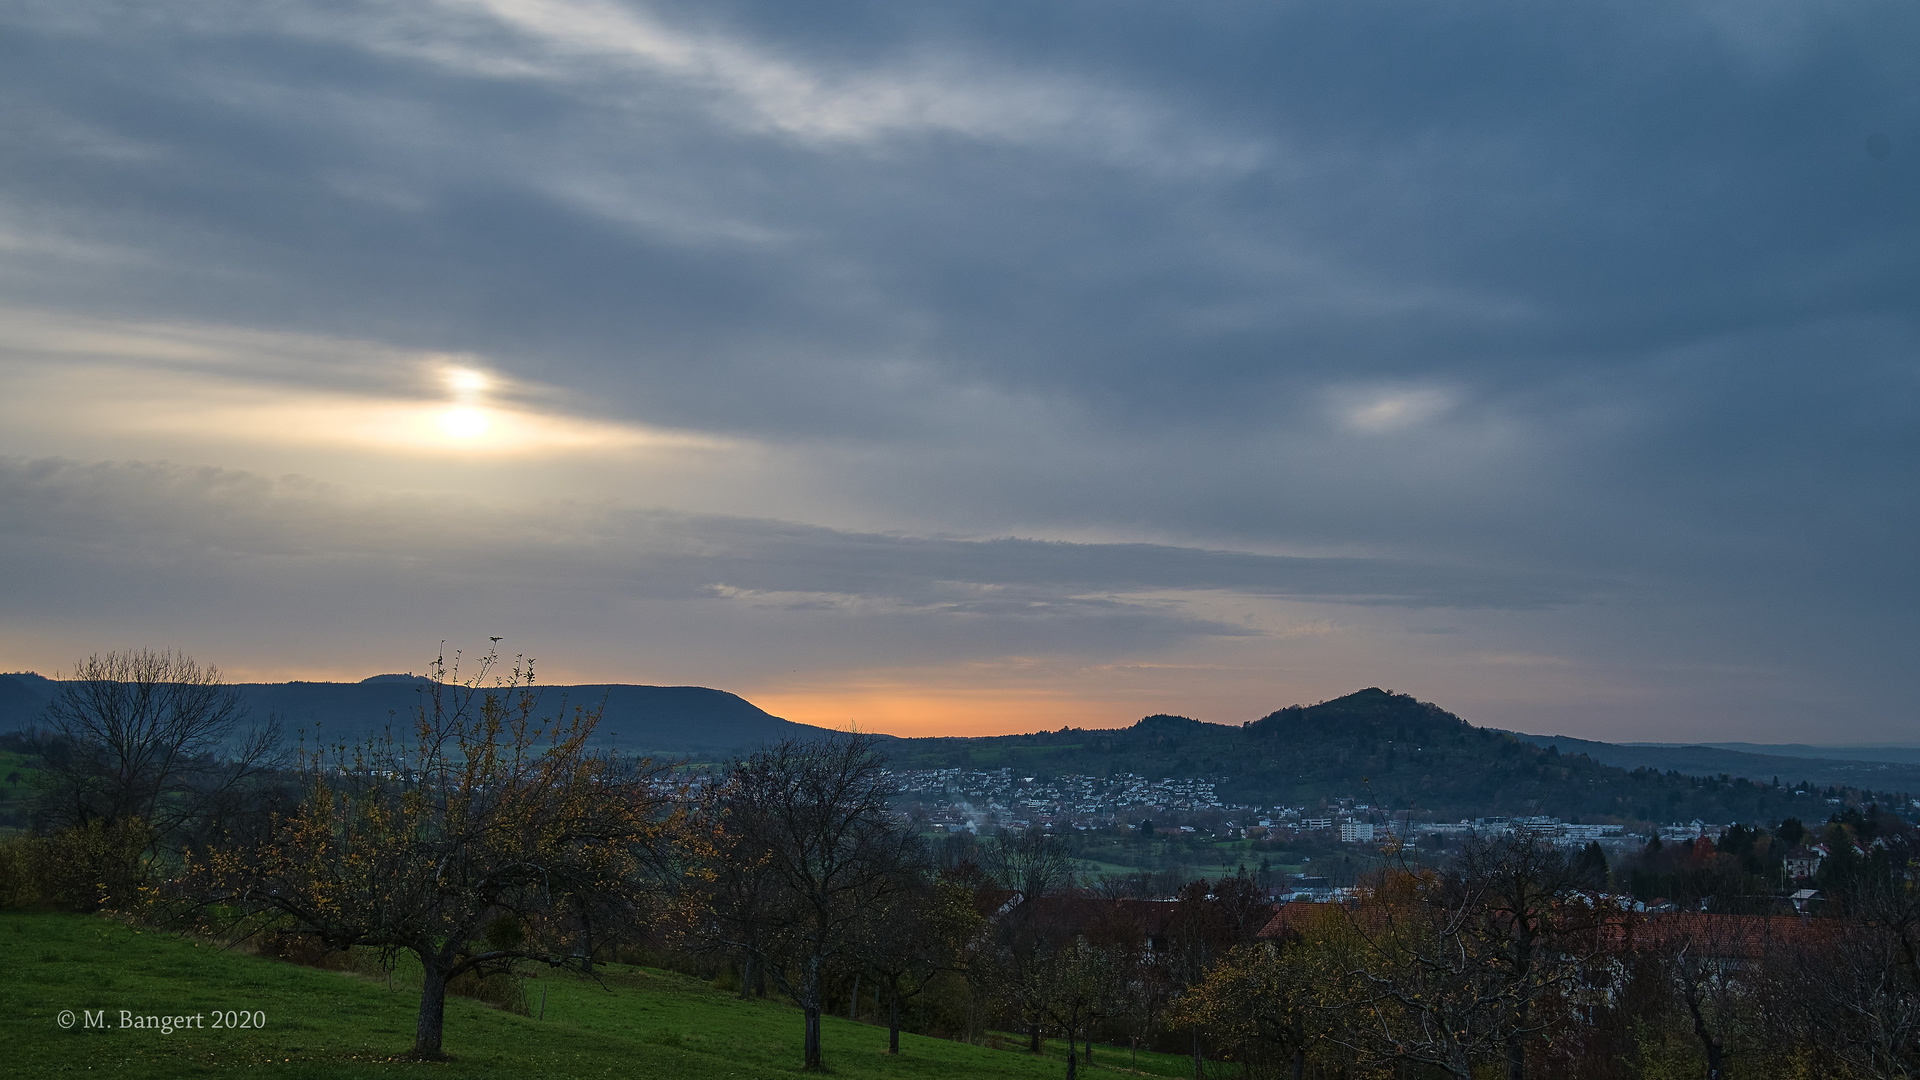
{"type": "Point", "coordinates": [1732, 937]}
{"type": "Point", "coordinates": [1292, 915]}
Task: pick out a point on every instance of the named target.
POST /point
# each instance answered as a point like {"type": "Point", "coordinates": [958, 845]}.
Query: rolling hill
{"type": "Point", "coordinates": [639, 719]}
{"type": "Point", "coordinates": [1385, 749]}
{"type": "Point", "coordinates": [1377, 747]}
{"type": "Point", "coordinates": [1707, 760]}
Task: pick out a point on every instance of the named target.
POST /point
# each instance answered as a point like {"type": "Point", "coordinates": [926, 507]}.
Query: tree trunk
{"type": "Point", "coordinates": [1033, 1037]}
{"type": "Point", "coordinates": [810, 1003]}
{"type": "Point", "coordinates": [1523, 970]}
{"type": "Point", "coordinates": [893, 1019]}
{"type": "Point", "coordinates": [812, 1052]}
{"type": "Point", "coordinates": [746, 978]}
{"type": "Point", "coordinates": [433, 1012]}
{"type": "Point", "coordinates": [1072, 1058]}
{"type": "Point", "coordinates": [853, 1002]}
{"type": "Point", "coordinates": [1299, 1048]}
{"type": "Point", "coordinates": [586, 943]}
{"type": "Point", "coordinates": [1199, 1067]}
{"type": "Point", "coordinates": [1711, 1043]}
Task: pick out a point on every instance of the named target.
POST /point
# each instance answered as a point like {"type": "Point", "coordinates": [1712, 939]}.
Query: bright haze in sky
{"type": "Point", "coordinates": [952, 368]}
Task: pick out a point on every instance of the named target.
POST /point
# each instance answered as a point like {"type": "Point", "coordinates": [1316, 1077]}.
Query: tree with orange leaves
{"type": "Point", "coordinates": [473, 845]}
{"type": "Point", "coordinates": [1446, 968]}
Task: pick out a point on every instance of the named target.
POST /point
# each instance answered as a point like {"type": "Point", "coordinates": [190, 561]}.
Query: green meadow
{"type": "Point", "coordinates": [633, 1022]}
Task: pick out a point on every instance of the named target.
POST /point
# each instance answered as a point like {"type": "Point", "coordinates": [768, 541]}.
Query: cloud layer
{"type": "Point", "coordinates": [1281, 337]}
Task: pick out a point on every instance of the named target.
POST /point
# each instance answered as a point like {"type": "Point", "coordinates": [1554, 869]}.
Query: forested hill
{"type": "Point", "coordinates": [1696, 760]}
{"type": "Point", "coordinates": [693, 720]}
{"type": "Point", "coordinates": [1380, 748]}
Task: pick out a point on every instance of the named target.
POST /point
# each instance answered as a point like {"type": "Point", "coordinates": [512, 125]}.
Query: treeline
{"type": "Point", "coordinates": [1513, 959]}
{"type": "Point", "coordinates": [485, 837]}
{"type": "Point", "coordinates": [1742, 871]}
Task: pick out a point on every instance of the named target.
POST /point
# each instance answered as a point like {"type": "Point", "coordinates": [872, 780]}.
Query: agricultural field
{"type": "Point", "coordinates": [633, 1022]}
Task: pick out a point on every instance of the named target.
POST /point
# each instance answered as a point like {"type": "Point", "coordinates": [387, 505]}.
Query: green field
{"type": "Point", "coordinates": [16, 788]}
{"type": "Point", "coordinates": [642, 1022]}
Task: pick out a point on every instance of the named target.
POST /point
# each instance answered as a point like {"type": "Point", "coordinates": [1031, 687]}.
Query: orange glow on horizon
{"type": "Point", "coordinates": [923, 711]}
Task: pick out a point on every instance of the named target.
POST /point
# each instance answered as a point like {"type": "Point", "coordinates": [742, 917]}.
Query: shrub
{"type": "Point", "coordinates": [18, 889]}
{"type": "Point", "coordinates": [501, 989]}
{"type": "Point", "coordinates": [84, 868]}
{"type": "Point", "coordinates": [305, 950]}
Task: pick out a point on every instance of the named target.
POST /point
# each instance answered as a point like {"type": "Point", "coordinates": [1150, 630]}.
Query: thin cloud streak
{"type": "Point", "coordinates": [221, 514]}
{"type": "Point", "coordinates": [261, 390]}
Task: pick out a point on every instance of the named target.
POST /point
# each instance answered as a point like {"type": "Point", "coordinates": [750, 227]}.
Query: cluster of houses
{"type": "Point", "coordinates": [982, 801]}
{"type": "Point", "coordinates": [958, 800]}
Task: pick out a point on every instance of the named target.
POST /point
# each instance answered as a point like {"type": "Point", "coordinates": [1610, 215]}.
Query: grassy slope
{"type": "Point", "coordinates": [328, 1024]}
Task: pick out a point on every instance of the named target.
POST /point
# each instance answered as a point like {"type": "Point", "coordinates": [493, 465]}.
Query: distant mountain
{"type": "Point", "coordinates": [664, 719]}
{"type": "Point", "coordinates": [1381, 748]}
{"type": "Point", "coordinates": [22, 697]}
{"type": "Point", "coordinates": [1898, 755]}
{"type": "Point", "coordinates": [1716, 759]}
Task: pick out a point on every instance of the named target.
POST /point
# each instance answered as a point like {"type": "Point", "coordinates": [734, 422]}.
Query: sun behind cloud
{"type": "Point", "coordinates": [464, 423]}
{"type": "Point", "coordinates": [212, 384]}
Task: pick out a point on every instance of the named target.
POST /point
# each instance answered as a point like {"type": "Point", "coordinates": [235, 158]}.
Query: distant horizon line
{"type": "Point", "coordinates": [1709, 744]}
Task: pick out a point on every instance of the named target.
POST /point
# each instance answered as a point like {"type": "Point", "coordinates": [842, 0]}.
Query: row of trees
{"type": "Point", "coordinates": [484, 834]}
{"type": "Point", "coordinates": [1511, 965]}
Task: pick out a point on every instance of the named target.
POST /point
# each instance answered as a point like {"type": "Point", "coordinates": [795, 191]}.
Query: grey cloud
{"type": "Point", "coordinates": [1074, 270]}
{"type": "Point", "coordinates": [208, 520]}
{"type": "Point", "coordinates": [1395, 215]}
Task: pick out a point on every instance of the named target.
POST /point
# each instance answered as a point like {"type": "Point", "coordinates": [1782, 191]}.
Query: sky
{"type": "Point", "coordinates": [949, 368]}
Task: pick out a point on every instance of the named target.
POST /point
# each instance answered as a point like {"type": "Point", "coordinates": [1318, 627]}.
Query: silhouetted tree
{"type": "Point", "coordinates": [1446, 968]}
{"type": "Point", "coordinates": [816, 814]}
{"type": "Point", "coordinates": [1029, 866]}
{"type": "Point", "coordinates": [1083, 985]}
{"type": "Point", "coordinates": [1856, 974]}
{"type": "Point", "coordinates": [148, 749]}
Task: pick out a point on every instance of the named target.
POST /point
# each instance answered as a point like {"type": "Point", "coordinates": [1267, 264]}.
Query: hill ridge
{"type": "Point", "coordinates": [636, 717]}
{"type": "Point", "coordinates": [1385, 749]}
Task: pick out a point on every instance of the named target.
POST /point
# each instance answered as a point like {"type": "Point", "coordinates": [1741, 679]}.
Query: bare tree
{"type": "Point", "coordinates": [816, 814]}
{"type": "Point", "coordinates": [1719, 971]}
{"type": "Point", "coordinates": [1537, 909]}
{"type": "Point", "coordinates": [914, 935]}
{"type": "Point", "coordinates": [1083, 987]}
{"type": "Point", "coordinates": [1203, 928]}
{"type": "Point", "coordinates": [149, 749]}
{"type": "Point", "coordinates": [1029, 866]}
{"type": "Point", "coordinates": [1446, 969]}
{"type": "Point", "coordinates": [1855, 975]}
